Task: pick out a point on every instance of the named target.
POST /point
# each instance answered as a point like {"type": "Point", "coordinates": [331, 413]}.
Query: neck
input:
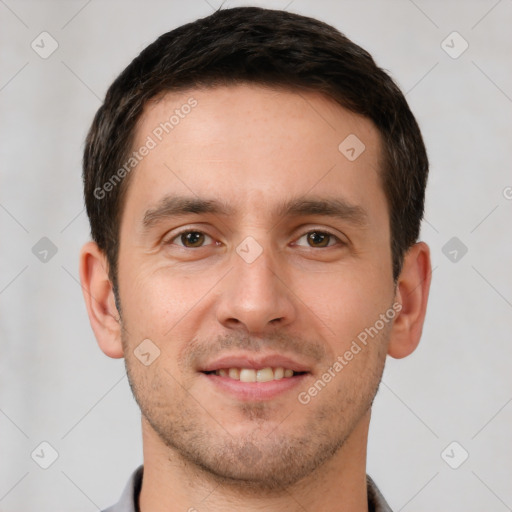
{"type": "Point", "coordinates": [172, 484]}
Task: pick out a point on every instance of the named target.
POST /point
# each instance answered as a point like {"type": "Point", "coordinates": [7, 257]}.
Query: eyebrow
{"type": "Point", "coordinates": [176, 206]}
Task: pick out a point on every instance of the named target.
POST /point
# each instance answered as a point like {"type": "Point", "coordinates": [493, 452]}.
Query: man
{"type": "Point", "coordinates": [255, 186]}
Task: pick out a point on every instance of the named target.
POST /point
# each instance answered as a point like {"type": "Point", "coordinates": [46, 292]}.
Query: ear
{"type": "Point", "coordinates": [99, 300]}
{"type": "Point", "coordinates": [412, 293]}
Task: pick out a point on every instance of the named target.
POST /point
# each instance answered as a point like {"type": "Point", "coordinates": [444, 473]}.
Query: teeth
{"type": "Point", "coordinates": [247, 375]}
{"type": "Point", "coordinates": [251, 375]}
{"type": "Point", "coordinates": [234, 373]}
{"type": "Point", "coordinates": [264, 375]}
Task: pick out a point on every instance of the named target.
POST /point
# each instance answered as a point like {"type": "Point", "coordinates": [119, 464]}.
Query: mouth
{"type": "Point", "coordinates": [255, 375]}
{"type": "Point", "coordinates": [247, 378]}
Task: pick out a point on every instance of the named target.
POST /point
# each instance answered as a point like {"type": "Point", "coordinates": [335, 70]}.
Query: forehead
{"type": "Point", "coordinates": [247, 144]}
{"type": "Point", "coordinates": [226, 110]}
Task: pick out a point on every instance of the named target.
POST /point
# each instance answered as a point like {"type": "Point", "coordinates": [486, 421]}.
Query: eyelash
{"type": "Point", "coordinates": [322, 232]}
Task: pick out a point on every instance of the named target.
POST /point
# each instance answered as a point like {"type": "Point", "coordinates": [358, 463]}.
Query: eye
{"type": "Point", "coordinates": [319, 239]}
{"type": "Point", "coordinates": [190, 239]}
{"type": "Point", "coordinates": [193, 239]}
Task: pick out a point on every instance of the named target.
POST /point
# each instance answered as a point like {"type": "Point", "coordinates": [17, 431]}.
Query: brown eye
{"type": "Point", "coordinates": [319, 239]}
{"type": "Point", "coordinates": [190, 239]}
{"type": "Point", "coordinates": [194, 238]}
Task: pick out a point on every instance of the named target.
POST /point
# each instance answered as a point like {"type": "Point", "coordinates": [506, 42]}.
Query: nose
{"type": "Point", "coordinates": [255, 296]}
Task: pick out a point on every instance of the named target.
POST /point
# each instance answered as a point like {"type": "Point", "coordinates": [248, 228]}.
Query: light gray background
{"type": "Point", "coordinates": [57, 386]}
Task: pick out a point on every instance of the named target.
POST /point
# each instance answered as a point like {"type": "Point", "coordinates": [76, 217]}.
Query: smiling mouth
{"type": "Point", "coordinates": [255, 375]}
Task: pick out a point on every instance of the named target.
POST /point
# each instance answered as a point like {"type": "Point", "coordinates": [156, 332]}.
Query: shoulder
{"type": "Point", "coordinates": [129, 497]}
{"type": "Point", "coordinates": [376, 502]}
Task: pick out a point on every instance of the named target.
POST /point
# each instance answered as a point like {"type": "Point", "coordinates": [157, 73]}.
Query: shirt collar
{"type": "Point", "coordinates": [130, 497]}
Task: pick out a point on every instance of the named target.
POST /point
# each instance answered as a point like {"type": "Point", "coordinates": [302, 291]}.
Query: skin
{"type": "Point", "coordinates": [254, 148]}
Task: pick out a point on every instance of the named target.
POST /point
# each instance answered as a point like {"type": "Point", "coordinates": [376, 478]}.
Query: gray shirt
{"type": "Point", "coordinates": [130, 497]}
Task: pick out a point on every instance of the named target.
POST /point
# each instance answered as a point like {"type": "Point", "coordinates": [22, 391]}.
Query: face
{"type": "Point", "coordinates": [253, 255]}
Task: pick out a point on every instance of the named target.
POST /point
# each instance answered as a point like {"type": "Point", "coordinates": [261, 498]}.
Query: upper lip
{"type": "Point", "coordinates": [256, 362]}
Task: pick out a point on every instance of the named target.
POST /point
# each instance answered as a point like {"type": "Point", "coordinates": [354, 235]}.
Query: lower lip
{"type": "Point", "coordinates": [254, 391]}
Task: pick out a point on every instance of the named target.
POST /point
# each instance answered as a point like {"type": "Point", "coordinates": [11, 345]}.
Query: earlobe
{"type": "Point", "coordinates": [412, 293]}
{"type": "Point", "coordinates": [99, 300]}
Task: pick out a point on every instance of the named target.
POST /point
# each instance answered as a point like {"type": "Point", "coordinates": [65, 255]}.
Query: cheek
{"type": "Point", "coordinates": [346, 301]}
{"type": "Point", "coordinates": [157, 301]}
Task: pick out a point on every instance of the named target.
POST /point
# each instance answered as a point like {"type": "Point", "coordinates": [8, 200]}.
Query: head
{"type": "Point", "coordinates": [243, 127]}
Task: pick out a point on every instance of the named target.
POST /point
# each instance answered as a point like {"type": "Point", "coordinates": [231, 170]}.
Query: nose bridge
{"type": "Point", "coordinates": [254, 265]}
{"type": "Point", "coordinates": [254, 293]}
